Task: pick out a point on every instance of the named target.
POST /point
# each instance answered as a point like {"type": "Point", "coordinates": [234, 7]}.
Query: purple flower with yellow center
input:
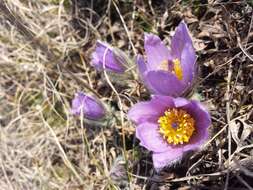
{"type": "Point", "coordinates": [169, 127]}
{"type": "Point", "coordinates": [168, 71]}
{"type": "Point", "coordinates": [87, 106]}
{"type": "Point", "coordinates": [113, 58]}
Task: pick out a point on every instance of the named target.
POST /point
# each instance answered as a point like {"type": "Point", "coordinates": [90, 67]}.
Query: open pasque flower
{"type": "Point", "coordinates": [169, 127]}
{"type": "Point", "coordinates": [88, 106]}
{"type": "Point", "coordinates": [168, 71]}
{"type": "Point", "coordinates": [115, 60]}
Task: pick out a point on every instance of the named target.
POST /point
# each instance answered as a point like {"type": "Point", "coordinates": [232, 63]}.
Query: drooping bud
{"type": "Point", "coordinates": [87, 106]}
{"type": "Point", "coordinates": [110, 58]}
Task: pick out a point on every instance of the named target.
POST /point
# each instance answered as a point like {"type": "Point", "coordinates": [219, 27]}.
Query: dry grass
{"type": "Point", "coordinates": [45, 50]}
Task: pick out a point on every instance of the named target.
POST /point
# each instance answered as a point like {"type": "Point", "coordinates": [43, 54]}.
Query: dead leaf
{"type": "Point", "coordinates": [198, 44]}
{"type": "Point", "coordinates": [235, 126]}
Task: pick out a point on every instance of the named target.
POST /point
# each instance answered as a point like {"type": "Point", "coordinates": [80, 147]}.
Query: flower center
{"type": "Point", "coordinates": [176, 126]}
{"type": "Point", "coordinates": [175, 68]}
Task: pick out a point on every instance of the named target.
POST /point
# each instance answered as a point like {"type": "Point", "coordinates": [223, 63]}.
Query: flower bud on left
{"type": "Point", "coordinates": [110, 58]}
{"type": "Point", "coordinates": [87, 106]}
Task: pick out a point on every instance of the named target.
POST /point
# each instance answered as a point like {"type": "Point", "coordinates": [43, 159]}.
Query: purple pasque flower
{"type": "Point", "coordinates": [169, 127]}
{"type": "Point", "coordinates": [113, 59]}
{"type": "Point", "coordinates": [88, 106]}
{"type": "Point", "coordinates": [168, 71]}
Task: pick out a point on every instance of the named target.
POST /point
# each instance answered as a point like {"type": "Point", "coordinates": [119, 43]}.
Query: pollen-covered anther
{"type": "Point", "coordinates": [177, 69]}
{"type": "Point", "coordinates": [176, 126]}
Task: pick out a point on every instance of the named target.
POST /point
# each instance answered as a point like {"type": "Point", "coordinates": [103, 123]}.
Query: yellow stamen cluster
{"type": "Point", "coordinates": [176, 126]}
{"type": "Point", "coordinates": [177, 69]}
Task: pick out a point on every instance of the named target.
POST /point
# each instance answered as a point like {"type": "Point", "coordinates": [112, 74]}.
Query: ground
{"type": "Point", "coordinates": [45, 50]}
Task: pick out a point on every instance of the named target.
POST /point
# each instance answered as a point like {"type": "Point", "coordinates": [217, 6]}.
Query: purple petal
{"type": "Point", "coordinates": [180, 38]}
{"type": "Point", "coordinates": [164, 83]}
{"type": "Point", "coordinates": [155, 50]}
{"type": "Point", "coordinates": [188, 60]}
{"type": "Point", "coordinates": [111, 61]}
{"type": "Point", "coordinates": [88, 106]}
{"type": "Point", "coordinates": [150, 137]}
{"type": "Point", "coordinates": [142, 67]}
{"type": "Point", "coordinates": [180, 102]}
{"type": "Point", "coordinates": [151, 110]}
{"type": "Point", "coordinates": [167, 158]}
